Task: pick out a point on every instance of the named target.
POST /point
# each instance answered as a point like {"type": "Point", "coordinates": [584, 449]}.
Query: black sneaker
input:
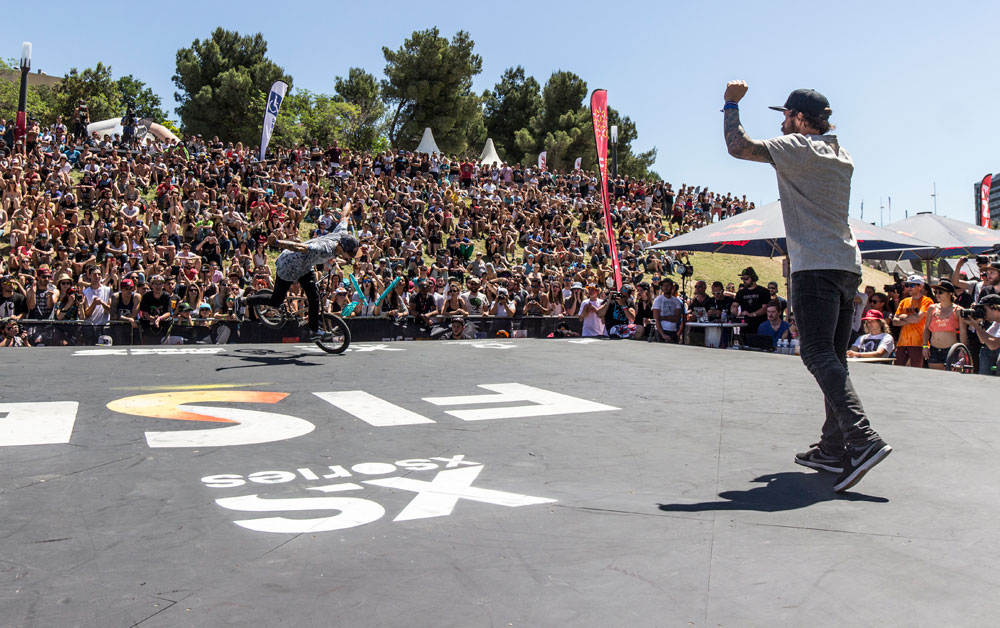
{"type": "Point", "coordinates": [858, 461]}
{"type": "Point", "coordinates": [816, 458]}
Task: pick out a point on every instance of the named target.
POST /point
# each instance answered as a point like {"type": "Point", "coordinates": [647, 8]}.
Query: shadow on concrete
{"type": "Point", "coordinates": [268, 357]}
{"type": "Point", "coordinates": [780, 491]}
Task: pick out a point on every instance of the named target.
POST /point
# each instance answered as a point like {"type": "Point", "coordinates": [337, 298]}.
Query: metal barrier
{"type": "Point", "coordinates": [363, 329]}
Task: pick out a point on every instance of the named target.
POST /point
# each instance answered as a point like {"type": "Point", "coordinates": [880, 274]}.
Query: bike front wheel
{"type": "Point", "coordinates": [271, 316]}
{"type": "Point", "coordinates": [337, 333]}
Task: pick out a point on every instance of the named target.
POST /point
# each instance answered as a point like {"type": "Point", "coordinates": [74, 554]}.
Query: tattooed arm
{"type": "Point", "coordinates": [737, 141]}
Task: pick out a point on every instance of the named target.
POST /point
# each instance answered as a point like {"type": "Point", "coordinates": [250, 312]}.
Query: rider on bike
{"type": "Point", "coordinates": [296, 263]}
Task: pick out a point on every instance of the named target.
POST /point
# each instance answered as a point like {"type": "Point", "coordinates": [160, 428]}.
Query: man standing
{"type": "Point", "coordinates": [814, 181]}
{"type": "Point", "coordinates": [753, 299]}
{"type": "Point", "coordinates": [97, 299]}
{"type": "Point", "coordinates": [910, 318]}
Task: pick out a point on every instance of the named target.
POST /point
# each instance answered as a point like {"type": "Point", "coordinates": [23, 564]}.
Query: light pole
{"type": "Point", "coordinates": [21, 128]}
{"type": "Point", "coordinates": [614, 150]}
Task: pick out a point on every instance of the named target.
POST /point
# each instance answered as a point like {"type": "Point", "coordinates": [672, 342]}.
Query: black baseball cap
{"type": "Point", "coordinates": [808, 101]}
{"type": "Point", "coordinates": [990, 299]}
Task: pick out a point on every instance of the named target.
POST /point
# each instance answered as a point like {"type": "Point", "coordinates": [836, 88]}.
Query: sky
{"type": "Point", "coordinates": [910, 84]}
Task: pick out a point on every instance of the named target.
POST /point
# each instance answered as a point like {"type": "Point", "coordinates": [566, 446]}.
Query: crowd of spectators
{"type": "Point", "coordinates": [95, 224]}
{"type": "Point", "coordinates": [160, 234]}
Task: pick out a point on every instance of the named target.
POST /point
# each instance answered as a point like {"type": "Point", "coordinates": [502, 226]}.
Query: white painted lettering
{"type": "Point", "coordinates": [225, 480]}
{"type": "Point", "coordinates": [271, 477]}
{"type": "Point", "coordinates": [338, 472]}
{"type": "Point", "coordinates": [438, 497]}
{"type": "Point", "coordinates": [37, 423]}
{"type": "Point", "coordinates": [417, 464]}
{"type": "Point", "coordinates": [373, 468]}
{"type": "Point", "coordinates": [308, 474]}
{"type": "Point", "coordinates": [371, 409]}
{"type": "Point", "coordinates": [353, 511]}
{"type": "Point", "coordinates": [545, 403]}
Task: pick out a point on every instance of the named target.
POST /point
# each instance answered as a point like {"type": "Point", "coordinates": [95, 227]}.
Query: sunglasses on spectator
{"type": "Point", "coordinates": [912, 285]}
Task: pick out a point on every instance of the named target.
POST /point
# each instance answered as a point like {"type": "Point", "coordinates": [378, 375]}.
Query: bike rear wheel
{"type": "Point", "coordinates": [959, 359]}
{"type": "Point", "coordinates": [339, 335]}
{"type": "Point", "coordinates": [271, 316]}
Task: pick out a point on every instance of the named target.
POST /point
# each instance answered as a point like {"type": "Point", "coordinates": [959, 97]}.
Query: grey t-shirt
{"type": "Point", "coordinates": [291, 265]}
{"type": "Point", "coordinates": [814, 180]}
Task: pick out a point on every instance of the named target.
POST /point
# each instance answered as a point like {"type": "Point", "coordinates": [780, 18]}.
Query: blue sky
{"type": "Point", "coordinates": [910, 83]}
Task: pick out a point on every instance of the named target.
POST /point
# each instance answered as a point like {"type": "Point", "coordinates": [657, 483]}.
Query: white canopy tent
{"type": "Point", "coordinates": [427, 144]}
{"type": "Point", "coordinates": [489, 155]}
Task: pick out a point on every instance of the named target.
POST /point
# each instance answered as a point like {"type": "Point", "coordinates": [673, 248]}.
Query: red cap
{"type": "Point", "coordinates": [873, 315]}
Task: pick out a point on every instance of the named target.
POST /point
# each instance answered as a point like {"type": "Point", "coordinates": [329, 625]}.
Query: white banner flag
{"type": "Point", "coordinates": [541, 160]}
{"type": "Point", "coordinates": [578, 163]}
{"type": "Point", "coordinates": [278, 91]}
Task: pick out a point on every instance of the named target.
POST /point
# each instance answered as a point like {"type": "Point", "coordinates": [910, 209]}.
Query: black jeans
{"type": "Point", "coordinates": [823, 306]}
{"type": "Point", "coordinates": [277, 297]}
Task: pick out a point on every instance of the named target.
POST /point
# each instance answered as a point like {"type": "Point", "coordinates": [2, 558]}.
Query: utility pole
{"type": "Point", "coordinates": [890, 210]}
{"type": "Point", "coordinates": [934, 196]}
{"type": "Point", "coordinates": [881, 207]}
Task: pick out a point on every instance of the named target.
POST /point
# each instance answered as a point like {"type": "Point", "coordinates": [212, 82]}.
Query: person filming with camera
{"type": "Point", "coordinates": [987, 311]}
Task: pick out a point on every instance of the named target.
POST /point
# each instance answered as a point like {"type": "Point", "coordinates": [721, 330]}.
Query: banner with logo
{"type": "Point", "coordinates": [578, 163]}
{"type": "Point", "coordinates": [599, 111]}
{"type": "Point", "coordinates": [274, 98]}
{"type": "Point", "coordinates": [984, 201]}
{"type": "Point", "coordinates": [542, 160]}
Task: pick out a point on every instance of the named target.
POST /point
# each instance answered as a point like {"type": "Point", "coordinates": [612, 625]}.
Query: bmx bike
{"type": "Point", "coordinates": [337, 335]}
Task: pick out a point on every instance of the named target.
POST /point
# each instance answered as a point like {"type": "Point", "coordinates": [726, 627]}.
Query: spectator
{"type": "Point", "coordinates": [772, 287]}
{"type": "Point", "coordinates": [753, 299]}
{"type": "Point", "coordinates": [667, 312]}
{"type": "Point", "coordinates": [910, 318]}
{"type": "Point", "coordinates": [618, 314]}
{"type": "Point", "coordinates": [943, 327]}
{"type": "Point", "coordinates": [644, 319]}
{"type": "Point", "coordinates": [12, 335]}
{"type": "Point", "coordinates": [13, 303]}
{"type": "Point", "coordinates": [876, 342]}
{"type": "Point", "coordinates": [458, 331]}
{"type": "Point", "coordinates": [97, 299]}
{"type": "Point", "coordinates": [774, 327]}
{"type": "Point", "coordinates": [720, 303]}
{"type": "Point", "coordinates": [593, 323]}
{"type": "Point", "coordinates": [989, 337]}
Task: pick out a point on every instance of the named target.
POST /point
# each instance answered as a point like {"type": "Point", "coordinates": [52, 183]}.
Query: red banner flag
{"type": "Point", "coordinates": [984, 201]}
{"type": "Point", "coordinates": [599, 111]}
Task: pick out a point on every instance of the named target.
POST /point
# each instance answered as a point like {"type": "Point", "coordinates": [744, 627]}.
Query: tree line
{"type": "Point", "coordinates": [222, 84]}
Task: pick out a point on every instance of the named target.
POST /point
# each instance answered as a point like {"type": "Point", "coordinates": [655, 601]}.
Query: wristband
{"type": "Point", "coordinates": [927, 346]}
{"type": "Point", "coordinates": [730, 105]}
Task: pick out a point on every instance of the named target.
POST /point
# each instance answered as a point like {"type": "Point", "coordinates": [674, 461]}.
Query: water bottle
{"type": "Point", "coordinates": [781, 347]}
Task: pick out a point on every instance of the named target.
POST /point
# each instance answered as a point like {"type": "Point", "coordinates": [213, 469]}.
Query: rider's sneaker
{"type": "Point", "coordinates": [859, 461]}
{"type": "Point", "coordinates": [320, 336]}
{"type": "Point", "coordinates": [816, 458]}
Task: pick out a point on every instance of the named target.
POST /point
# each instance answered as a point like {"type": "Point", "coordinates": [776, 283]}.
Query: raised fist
{"type": "Point", "coordinates": [735, 91]}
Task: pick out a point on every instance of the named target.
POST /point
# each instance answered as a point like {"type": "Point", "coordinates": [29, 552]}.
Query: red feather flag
{"type": "Point", "coordinates": [599, 111]}
{"type": "Point", "coordinates": [984, 201]}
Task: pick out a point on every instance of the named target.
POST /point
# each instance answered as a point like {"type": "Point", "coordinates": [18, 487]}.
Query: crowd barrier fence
{"type": "Point", "coordinates": [363, 329]}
